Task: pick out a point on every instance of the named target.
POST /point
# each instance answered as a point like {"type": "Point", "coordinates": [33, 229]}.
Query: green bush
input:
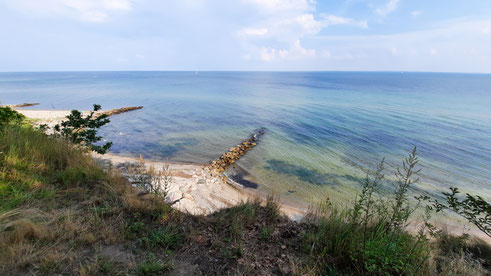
{"type": "Point", "coordinates": [82, 130]}
{"type": "Point", "coordinates": [8, 115]}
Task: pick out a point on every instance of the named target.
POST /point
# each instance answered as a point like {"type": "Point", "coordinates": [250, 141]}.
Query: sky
{"type": "Point", "coordinates": [243, 35]}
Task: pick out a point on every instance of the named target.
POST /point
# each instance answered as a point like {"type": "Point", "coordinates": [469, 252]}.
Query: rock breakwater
{"type": "Point", "coordinates": [220, 165]}
{"type": "Point", "coordinates": [120, 110]}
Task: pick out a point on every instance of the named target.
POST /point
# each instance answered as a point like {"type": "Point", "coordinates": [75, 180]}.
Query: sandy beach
{"type": "Point", "coordinates": [199, 192]}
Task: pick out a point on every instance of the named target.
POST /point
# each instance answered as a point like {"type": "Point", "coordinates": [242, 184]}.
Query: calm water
{"type": "Point", "coordinates": [323, 130]}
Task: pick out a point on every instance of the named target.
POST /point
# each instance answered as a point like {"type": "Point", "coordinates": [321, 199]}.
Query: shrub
{"type": "Point", "coordinates": [473, 208]}
{"type": "Point", "coordinates": [149, 179]}
{"type": "Point", "coordinates": [8, 115]}
{"type": "Point", "coordinates": [82, 130]}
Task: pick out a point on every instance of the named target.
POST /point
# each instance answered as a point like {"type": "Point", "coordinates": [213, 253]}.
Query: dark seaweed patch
{"type": "Point", "coordinates": [179, 142]}
{"type": "Point", "coordinates": [304, 174]}
{"type": "Point", "coordinates": [239, 178]}
{"type": "Point", "coordinates": [308, 175]}
{"type": "Point", "coordinates": [169, 150]}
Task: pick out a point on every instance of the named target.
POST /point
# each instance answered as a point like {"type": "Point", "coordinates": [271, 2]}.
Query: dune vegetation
{"type": "Point", "coordinates": [62, 213]}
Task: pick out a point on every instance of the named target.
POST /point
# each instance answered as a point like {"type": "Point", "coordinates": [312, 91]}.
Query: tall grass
{"type": "Point", "coordinates": [370, 237]}
{"type": "Point", "coordinates": [54, 198]}
{"type": "Point", "coordinates": [33, 166]}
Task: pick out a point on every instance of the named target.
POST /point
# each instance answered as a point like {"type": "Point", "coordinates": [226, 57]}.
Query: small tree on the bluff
{"type": "Point", "coordinates": [82, 130]}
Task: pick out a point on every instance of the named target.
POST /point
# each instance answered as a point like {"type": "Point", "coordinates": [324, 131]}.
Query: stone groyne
{"type": "Point", "coordinates": [221, 164]}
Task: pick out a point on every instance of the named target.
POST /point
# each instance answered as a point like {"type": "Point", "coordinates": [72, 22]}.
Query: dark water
{"type": "Point", "coordinates": [324, 129]}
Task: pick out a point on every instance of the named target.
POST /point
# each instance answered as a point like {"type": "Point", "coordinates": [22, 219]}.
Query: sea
{"type": "Point", "coordinates": [324, 131]}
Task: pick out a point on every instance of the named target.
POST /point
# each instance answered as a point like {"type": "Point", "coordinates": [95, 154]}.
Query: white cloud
{"type": "Point", "coordinates": [253, 31]}
{"type": "Point", "coordinates": [416, 13]}
{"type": "Point", "coordinates": [85, 10]}
{"type": "Point", "coordinates": [295, 51]}
{"type": "Point", "coordinates": [455, 46]}
{"type": "Point", "coordinates": [298, 51]}
{"type": "Point", "coordinates": [281, 38]}
{"type": "Point", "coordinates": [280, 27]}
{"type": "Point", "coordinates": [388, 8]}
{"type": "Point", "coordinates": [338, 20]}
{"type": "Point", "coordinates": [283, 5]}
{"type": "Point", "coordinates": [306, 22]}
{"type": "Point", "coordinates": [267, 54]}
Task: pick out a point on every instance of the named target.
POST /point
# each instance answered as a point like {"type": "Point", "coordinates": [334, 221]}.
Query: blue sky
{"type": "Point", "coordinates": [298, 35]}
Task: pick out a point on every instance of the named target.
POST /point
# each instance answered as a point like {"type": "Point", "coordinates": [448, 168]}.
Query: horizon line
{"type": "Point", "coordinates": [257, 71]}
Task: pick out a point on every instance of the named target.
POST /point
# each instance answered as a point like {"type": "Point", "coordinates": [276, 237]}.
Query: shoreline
{"type": "Point", "coordinates": [202, 192]}
{"type": "Point", "coordinates": [198, 190]}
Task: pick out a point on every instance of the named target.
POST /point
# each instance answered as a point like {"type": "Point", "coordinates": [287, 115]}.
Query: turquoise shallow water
{"type": "Point", "coordinates": [323, 129]}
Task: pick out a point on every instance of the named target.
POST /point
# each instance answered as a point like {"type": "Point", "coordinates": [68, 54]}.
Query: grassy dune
{"type": "Point", "coordinates": [61, 213]}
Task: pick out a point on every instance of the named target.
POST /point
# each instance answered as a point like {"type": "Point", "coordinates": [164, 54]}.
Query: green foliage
{"type": "Point", "coordinates": [168, 237]}
{"type": "Point", "coordinates": [8, 116]}
{"type": "Point", "coordinates": [82, 130]}
{"type": "Point", "coordinates": [153, 266]}
{"type": "Point", "coordinates": [106, 267]}
{"type": "Point", "coordinates": [78, 175]}
{"type": "Point", "coordinates": [401, 209]}
{"type": "Point", "coordinates": [234, 252]}
{"type": "Point", "coordinates": [246, 212]}
{"type": "Point", "coordinates": [135, 227]}
{"type": "Point", "coordinates": [266, 233]}
{"type": "Point", "coordinates": [473, 208]}
{"type": "Point", "coordinates": [371, 236]}
{"type": "Point", "coordinates": [235, 219]}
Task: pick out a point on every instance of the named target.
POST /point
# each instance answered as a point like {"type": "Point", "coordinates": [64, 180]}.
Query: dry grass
{"type": "Point", "coordinates": [36, 240]}
{"type": "Point", "coordinates": [59, 211]}
{"type": "Point", "coordinates": [456, 264]}
{"type": "Point", "coordinates": [58, 204]}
